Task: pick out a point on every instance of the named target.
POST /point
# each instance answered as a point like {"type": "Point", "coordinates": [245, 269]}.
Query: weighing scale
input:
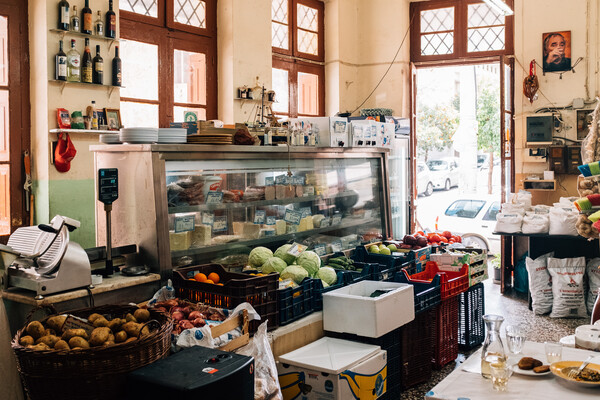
{"type": "Point", "coordinates": [108, 192]}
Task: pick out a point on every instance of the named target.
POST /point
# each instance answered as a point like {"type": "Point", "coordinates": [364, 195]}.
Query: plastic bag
{"type": "Point", "coordinates": [163, 294]}
{"type": "Point", "coordinates": [266, 381]}
{"type": "Point", "coordinates": [522, 197]}
{"type": "Point", "coordinates": [567, 287]}
{"type": "Point", "coordinates": [510, 208]}
{"type": "Point", "coordinates": [593, 274]}
{"type": "Point", "coordinates": [540, 283]}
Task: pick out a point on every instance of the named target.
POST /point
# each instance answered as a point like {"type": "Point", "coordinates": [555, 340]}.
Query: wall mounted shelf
{"type": "Point", "coordinates": [62, 84]}
{"type": "Point", "coordinates": [83, 35]}
{"type": "Point", "coordinates": [58, 130]}
{"type": "Point", "coordinates": [540, 185]}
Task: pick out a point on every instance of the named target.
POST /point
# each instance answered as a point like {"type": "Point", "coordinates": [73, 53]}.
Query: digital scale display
{"type": "Point", "coordinates": [108, 185]}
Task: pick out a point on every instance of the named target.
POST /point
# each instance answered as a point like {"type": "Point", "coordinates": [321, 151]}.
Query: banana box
{"type": "Point", "coordinates": [333, 369]}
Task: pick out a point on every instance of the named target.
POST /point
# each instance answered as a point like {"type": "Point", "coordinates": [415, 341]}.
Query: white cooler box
{"type": "Point", "coordinates": [333, 369]}
{"type": "Point", "coordinates": [351, 309]}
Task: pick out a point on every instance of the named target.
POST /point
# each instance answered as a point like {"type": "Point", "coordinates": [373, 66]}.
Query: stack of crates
{"type": "Point", "coordinates": [471, 308]}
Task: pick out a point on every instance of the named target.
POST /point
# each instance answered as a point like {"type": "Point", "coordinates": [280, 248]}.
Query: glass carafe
{"type": "Point", "coordinates": [493, 348]}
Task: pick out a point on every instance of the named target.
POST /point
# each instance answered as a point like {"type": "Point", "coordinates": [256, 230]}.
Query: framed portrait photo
{"type": "Point", "coordinates": [556, 49]}
{"type": "Point", "coordinates": [113, 118]}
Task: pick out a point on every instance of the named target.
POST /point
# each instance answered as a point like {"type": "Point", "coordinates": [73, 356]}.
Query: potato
{"type": "Point", "coordinates": [99, 336]}
{"type": "Point", "coordinates": [121, 336]}
{"type": "Point", "coordinates": [56, 322]}
{"type": "Point", "coordinates": [49, 340]}
{"type": "Point", "coordinates": [108, 343]}
{"type": "Point", "coordinates": [80, 342]}
{"type": "Point", "coordinates": [61, 345]}
{"type": "Point", "coordinates": [130, 318]}
{"type": "Point", "coordinates": [116, 324]}
{"type": "Point", "coordinates": [40, 346]}
{"type": "Point", "coordinates": [111, 337]}
{"type": "Point", "coordinates": [35, 329]}
{"type": "Point", "coordinates": [26, 341]}
{"type": "Point", "coordinates": [94, 317]}
{"type": "Point", "coordinates": [132, 328]}
{"type": "Point", "coordinates": [141, 315]}
{"type": "Point", "coordinates": [50, 332]}
{"type": "Point", "coordinates": [69, 333]}
{"type": "Point", "coordinates": [100, 322]}
{"type": "Point", "coordinates": [131, 339]}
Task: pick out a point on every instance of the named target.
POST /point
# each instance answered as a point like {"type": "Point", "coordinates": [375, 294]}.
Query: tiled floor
{"type": "Point", "coordinates": [514, 308]}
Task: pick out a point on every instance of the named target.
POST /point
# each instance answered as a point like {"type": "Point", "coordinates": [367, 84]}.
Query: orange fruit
{"type": "Point", "coordinates": [219, 284]}
{"type": "Point", "coordinates": [208, 281]}
{"type": "Point", "coordinates": [213, 276]}
{"type": "Point", "coordinates": [200, 277]}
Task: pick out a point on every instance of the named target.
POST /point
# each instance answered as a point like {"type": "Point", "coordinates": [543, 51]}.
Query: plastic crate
{"type": "Point", "coordinates": [471, 309]}
{"type": "Point", "coordinates": [353, 276]}
{"type": "Point", "coordinates": [451, 283]}
{"type": "Point", "coordinates": [259, 291]}
{"type": "Point", "coordinates": [417, 344]}
{"type": "Point", "coordinates": [446, 333]}
{"type": "Point", "coordinates": [427, 295]}
{"type": "Point", "coordinates": [295, 303]}
{"type": "Point", "coordinates": [392, 261]}
{"type": "Point", "coordinates": [343, 279]}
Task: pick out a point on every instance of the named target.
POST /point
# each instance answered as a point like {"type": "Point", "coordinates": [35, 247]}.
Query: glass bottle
{"type": "Point", "coordinates": [87, 67]}
{"type": "Point", "coordinates": [87, 26]}
{"type": "Point", "coordinates": [116, 68]}
{"type": "Point", "coordinates": [75, 20]}
{"type": "Point", "coordinates": [493, 348]}
{"type": "Point", "coordinates": [73, 64]}
{"type": "Point", "coordinates": [98, 64]}
{"type": "Point", "coordinates": [99, 25]}
{"type": "Point", "coordinates": [63, 15]}
{"type": "Point", "coordinates": [61, 64]}
{"type": "Point", "coordinates": [111, 21]}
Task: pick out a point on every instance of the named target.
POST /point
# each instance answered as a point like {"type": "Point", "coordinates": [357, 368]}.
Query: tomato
{"type": "Point", "coordinates": [458, 239]}
{"type": "Point", "coordinates": [420, 233]}
{"type": "Point", "coordinates": [443, 239]}
{"type": "Point", "coordinates": [435, 238]}
{"type": "Point", "coordinates": [451, 241]}
{"type": "Point", "coordinates": [447, 234]}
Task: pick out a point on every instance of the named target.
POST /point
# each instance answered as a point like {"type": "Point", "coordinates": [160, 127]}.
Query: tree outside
{"type": "Point", "coordinates": [488, 121]}
{"type": "Point", "coordinates": [435, 128]}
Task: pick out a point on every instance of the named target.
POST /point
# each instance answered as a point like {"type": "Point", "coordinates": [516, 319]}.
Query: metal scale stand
{"type": "Point", "coordinates": [108, 192]}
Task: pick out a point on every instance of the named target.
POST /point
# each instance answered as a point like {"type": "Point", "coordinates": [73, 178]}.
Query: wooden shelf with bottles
{"type": "Point", "coordinates": [63, 33]}
{"type": "Point", "coordinates": [62, 84]}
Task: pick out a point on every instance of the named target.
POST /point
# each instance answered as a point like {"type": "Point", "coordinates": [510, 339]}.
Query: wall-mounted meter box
{"type": "Point", "coordinates": [540, 128]}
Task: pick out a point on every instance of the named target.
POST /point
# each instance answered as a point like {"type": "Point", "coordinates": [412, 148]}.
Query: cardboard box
{"type": "Point", "coordinates": [333, 369]}
{"type": "Point", "coordinates": [329, 131]}
{"type": "Point", "coordinates": [351, 309]}
{"type": "Point", "coordinates": [364, 133]}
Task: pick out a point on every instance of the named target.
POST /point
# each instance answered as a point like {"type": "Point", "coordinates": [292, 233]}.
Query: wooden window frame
{"type": "Point", "coordinates": [293, 31]}
{"type": "Point", "coordinates": [460, 31]}
{"type": "Point", "coordinates": [294, 67]}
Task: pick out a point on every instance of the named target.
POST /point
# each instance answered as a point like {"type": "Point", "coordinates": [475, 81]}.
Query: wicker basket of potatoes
{"type": "Point", "coordinates": [89, 357]}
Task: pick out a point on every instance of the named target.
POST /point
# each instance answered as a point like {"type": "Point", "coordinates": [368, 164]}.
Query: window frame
{"type": "Point", "coordinates": [293, 31]}
{"type": "Point", "coordinates": [294, 67]}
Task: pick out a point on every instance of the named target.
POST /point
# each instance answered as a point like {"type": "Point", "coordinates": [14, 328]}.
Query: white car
{"type": "Point", "coordinates": [424, 183]}
{"type": "Point", "coordinates": [474, 218]}
{"type": "Point", "coordinates": [444, 172]}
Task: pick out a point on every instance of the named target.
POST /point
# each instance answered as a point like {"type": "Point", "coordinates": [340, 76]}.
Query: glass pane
{"type": "Point", "coordinates": [179, 112]}
{"type": "Point", "coordinates": [190, 12]}
{"type": "Point", "coordinates": [139, 114]}
{"type": "Point", "coordinates": [144, 7]}
{"type": "Point", "coordinates": [437, 43]}
{"type": "Point", "coordinates": [140, 70]}
{"type": "Point", "coordinates": [483, 15]}
{"type": "Point", "coordinates": [279, 11]}
{"type": "Point", "coordinates": [308, 94]}
{"type": "Point", "coordinates": [189, 76]}
{"type": "Point", "coordinates": [507, 89]}
{"type": "Point", "coordinates": [4, 199]}
{"type": "Point", "coordinates": [486, 39]}
{"type": "Point", "coordinates": [307, 18]}
{"type": "Point", "coordinates": [308, 42]}
{"type": "Point", "coordinates": [441, 19]}
{"type": "Point", "coordinates": [282, 90]}
{"type": "Point", "coordinates": [4, 128]}
{"type": "Point", "coordinates": [3, 51]}
{"type": "Point", "coordinates": [279, 36]}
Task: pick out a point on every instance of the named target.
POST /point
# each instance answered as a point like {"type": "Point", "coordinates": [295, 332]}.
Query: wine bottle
{"type": "Point", "coordinates": [111, 21]}
{"type": "Point", "coordinates": [61, 63]}
{"type": "Point", "coordinates": [98, 67]}
{"type": "Point", "coordinates": [86, 63]}
{"type": "Point", "coordinates": [116, 68]}
{"type": "Point", "coordinates": [86, 19]}
{"type": "Point", "coordinates": [75, 20]}
{"type": "Point", "coordinates": [63, 15]}
{"type": "Point", "coordinates": [73, 64]}
{"type": "Point", "coordinates": [99, 25]}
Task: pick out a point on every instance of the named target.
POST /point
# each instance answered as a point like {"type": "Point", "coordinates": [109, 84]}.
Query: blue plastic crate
{"type": "Point", "coordinates": [427, 295]}
{"type": "Point", "coordinates": [343, 279]}
{"type": "Point", "coordinates": [396, 260]}
{"type": "Point", "coordinates": [295, 303]}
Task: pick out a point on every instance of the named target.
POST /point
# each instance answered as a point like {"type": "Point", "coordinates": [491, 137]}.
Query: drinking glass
{"type": "Point", "coordinates": [500, 374]}
{"type": "Point", "coordinates": [553, 352]}
{"type": "Point", "coordinates": [515, 336]}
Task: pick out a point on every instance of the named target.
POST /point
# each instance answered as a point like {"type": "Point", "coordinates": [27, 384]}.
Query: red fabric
{"type": "Point", "coordinates": [64, 153]}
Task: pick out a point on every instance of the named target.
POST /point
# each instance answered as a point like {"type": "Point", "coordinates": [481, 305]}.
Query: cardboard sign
{"type": "Point", "coordinates": [292, 217]}
{"type": "Point", "coordinates": [271, 220]}
{"type": "Point", "coordinates": [306, 211]}
{"type": "Point", "coordinates": [214, 198]}
{"type": "Point", "coordinates": [208, 218]}
{"type": "Point", "coordinates": [220, 224]}
{"type": "Point", "coordinates": [259, 217]}
{"type": "Point", "coordinates": [184, 223]}
{"type": "Point", "coordinates": [320, 249]}
{"type": "Point", "coordinates": [281, 180]}
{"type": "Point", "coordinates": [297, 249]}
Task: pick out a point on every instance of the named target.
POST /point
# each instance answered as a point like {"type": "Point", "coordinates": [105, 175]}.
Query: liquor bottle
{"type": "Point", "coordinates": [98, 67]}
{"type": "Point", "coordinates": [99, 25]}
{"type": "Point", "coordinates": [92, 114]}
{"type": "Point", "coordinates": [61, 63]}
{"type": "Point", "coordinates": [86, 19]}
{"type": "Point", "coordinates": [75, 20]}
{"type": "Point", "coordinates": [116, 68]}
{"type": "Point", "coordinates": [63, 15]}
{"type": "Point", "coordinates": [111, 21]}
{"type": "Point", "coordinates": [86, 63]}
{"type": "Point", "coordinates": [73, 64]}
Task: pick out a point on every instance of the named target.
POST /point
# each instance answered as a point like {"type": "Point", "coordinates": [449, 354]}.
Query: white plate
{"type": "Point", "coordinates": [529, 372]}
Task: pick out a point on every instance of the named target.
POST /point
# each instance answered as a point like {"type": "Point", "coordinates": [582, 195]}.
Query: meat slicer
{"type": "Point", "coordinates": [43, 259]}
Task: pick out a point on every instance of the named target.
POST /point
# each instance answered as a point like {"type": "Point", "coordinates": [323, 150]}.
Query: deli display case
{"type": "Point", "coordinates": [192, 204]}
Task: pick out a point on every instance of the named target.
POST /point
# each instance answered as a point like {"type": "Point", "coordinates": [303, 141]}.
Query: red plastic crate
{"type": "Point", "coordinates": [446, 333]}
{"type": "Point", "coordinates": [451, 283]}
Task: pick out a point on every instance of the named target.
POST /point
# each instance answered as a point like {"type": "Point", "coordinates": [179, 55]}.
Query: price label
{"type": "Point", "coordinates": [309, 190]}
{"type": "Point", "coordinates": [298, 180]}
{"type": "Point", "coordinates": [325, 222]}
{"type": "Point", "coordinates": [281, 179]}
{"type": "Point", "coordinates": [297, 249]}
{"type": "Point", "coordinates": [208, 218]}
{"type": "Point", "coordinates": [306, 211]}
{"type": "Point", "coordinates": [293, 217]}
{"type": "Point", "coordinates": [73, 322]}
{"type": "Point", "coordinates": [184, 223]}
{"type": "Point", "coordinates": [214, 198]}
{"type": "Point", "coordinates": [269, 232]}
{"type": "Point", "coordinates": [291, 228]}
{"type": "Point", "coordinates": [336, 220]}
{"type": "Point", "coordinates": [336, 246]}
{"type": "Point", "coordinates": [220, 224]}
{"type": "Point", "coordinates": [269, 181]}
{"type": "Point", "coordinates": [320, 249]}
{"type": "Point", "coordinates": [271, 220]}
{"type": "Point", "coordinates": [259, 217]}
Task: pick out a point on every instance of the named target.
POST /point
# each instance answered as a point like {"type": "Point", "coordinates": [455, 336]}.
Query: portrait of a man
{"type": "Point", "coordinates": [557, 51]}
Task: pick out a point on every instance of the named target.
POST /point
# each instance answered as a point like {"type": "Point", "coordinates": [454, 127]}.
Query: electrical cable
{"type": "Point", "coordinates": [389, 67]}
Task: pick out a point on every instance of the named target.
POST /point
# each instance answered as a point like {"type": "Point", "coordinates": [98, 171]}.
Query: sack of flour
{"type": "Point", "coordinates": [568, 291]}
{"type": "Point", "coordinates": [563, 221]}
{"type": "Point", "coordinates": [540, 283]}
{"type": "Point", "coordinates": [535, 223]}
{"type": "Point", "coordinates": [508, 223]}
{"type": "Point", "coordinates": [593, 277]}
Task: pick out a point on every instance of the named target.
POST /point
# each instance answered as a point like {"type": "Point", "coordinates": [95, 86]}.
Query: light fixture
{"type": "Point", "coordinates": [499, 6]}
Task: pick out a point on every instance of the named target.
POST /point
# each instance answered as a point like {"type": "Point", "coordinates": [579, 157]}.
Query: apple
{"type": "Point", "coordinates": [392, 247]}
{"type": "Point", "coordinates": [385, 251]}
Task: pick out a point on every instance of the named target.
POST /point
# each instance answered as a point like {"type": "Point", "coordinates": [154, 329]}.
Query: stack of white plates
{"type": "Point", "coordinates": [172, 135]}
{"type": "Point", "coordinates": [139, 135]}
{"type": "Point", "coordinates": [110, 138]}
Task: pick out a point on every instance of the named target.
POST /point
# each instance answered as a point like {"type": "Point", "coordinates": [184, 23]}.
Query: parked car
{"type": "Point", "coordinates": [424, 183]}
{"type": "Point", "coordinates": [444, 172]}
{"type": "Point", "coordinates": [473, 217]}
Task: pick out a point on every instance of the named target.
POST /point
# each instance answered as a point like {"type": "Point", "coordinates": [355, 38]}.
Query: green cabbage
{"type": "Point", "coordinates": [282, 253]}
{"type": "Point", "coordinates": [327, 274]}
{"type": "Point", "coordinates": [295, 273]}
{"type": "Point", "coordinates": [310, 261]}
{"type": "Point", "coordinates": [273, 264]}
{"type": "Point", "coordinates": [258, 256]}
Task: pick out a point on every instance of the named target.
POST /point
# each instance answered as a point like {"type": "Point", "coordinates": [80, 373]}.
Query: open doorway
{"type": "Point", "coordinates": [458, 150]}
